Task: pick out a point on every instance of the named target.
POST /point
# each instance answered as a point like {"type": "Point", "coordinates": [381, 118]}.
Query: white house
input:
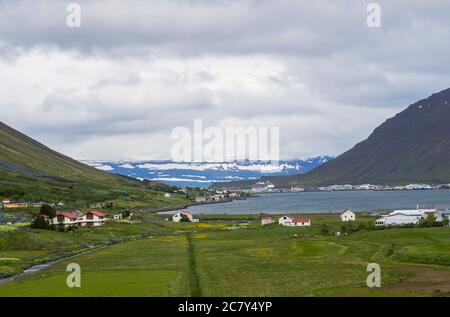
{"type": "Point", "coordinates": [167, 195]}
{"type": "Point", "coordinates": [183, 215]}
{"type": "Point", "coordinates": [294, 222]}
{"type": "Point", "coordinates": [403, 217]}
{"type": "Point", "coordinates": [65, 219]}
{"type": "Point", "coordinates": [93, 219]}
{"type": "Point", "coordinates": [265, 220]}
{"type": "Point", "coordinates": [70, 219]}
{"type": "Point", "coordinates": [347, 215]}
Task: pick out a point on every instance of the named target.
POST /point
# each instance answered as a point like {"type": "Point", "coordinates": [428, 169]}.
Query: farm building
{"type": "Point", "coordinates": [347, 215]}
{"type": "Point", "coordinates": [403, 217]}
{"type": "Point", "coordinates": [14, 204]}
{"type": "Point", "coordinates": [265, 220]}
{"type": "Point", "coordinates": [294, 222]}
{"type": "Point", "coordinates": [183, 216]}
{"type": "Point", "coordinates": [167, 195]}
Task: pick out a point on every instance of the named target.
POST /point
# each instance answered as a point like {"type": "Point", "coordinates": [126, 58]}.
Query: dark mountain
{"type": "Point", "coordinates": [413, 146]}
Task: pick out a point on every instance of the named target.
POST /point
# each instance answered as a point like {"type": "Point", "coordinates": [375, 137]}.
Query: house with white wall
{"type": "Point", "coordinates": [70, 219]}
{"type": "Point", "coordinates": [65, 220]}
{"type": "Point", "coordinates": [347, 215]}
{"type": "Point", "coordinates": [179, 216]}
{"type": "Point", "coordinates": [265, 220]}
{"type": "Point", "coordinates": [294, 222]}
{"type": "Point", "coordinates": [93, 218]}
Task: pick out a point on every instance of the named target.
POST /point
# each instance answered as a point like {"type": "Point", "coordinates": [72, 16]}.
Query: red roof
{"type": "Point", "coordinates": [267, 218]}
{"type": "Point", "coordinates": [300, 219]}
{"type": "Point", "coordinates": [97, 213]}
{"type": "Point", "coordinates": [69, 215]}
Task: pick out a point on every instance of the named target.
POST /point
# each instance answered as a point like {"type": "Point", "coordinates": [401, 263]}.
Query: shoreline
{"type": "Point", "coordinates": [369, 202]}
{"type": "Point", "coordinates": [178, 208]}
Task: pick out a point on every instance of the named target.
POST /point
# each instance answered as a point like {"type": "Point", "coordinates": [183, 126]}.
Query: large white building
{"type": "Point", "coordinates": [403, 217]}
{"type": "Point", "coordinates": [347, 215]}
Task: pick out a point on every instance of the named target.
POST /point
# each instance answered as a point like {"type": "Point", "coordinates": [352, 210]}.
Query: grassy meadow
{"type": "Point", "coordinates": [225, 256]}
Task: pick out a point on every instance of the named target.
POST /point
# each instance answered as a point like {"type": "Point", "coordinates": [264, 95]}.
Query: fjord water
{"type": "Point", "coordinates": [323, 202]}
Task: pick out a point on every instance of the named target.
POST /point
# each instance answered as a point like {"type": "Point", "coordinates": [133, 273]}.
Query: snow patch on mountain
{"type": "Point", "coordinates": [202, 174]}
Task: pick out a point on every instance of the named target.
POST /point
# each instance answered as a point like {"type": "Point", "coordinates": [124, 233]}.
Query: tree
{"type": "Point", "coordinates": [445, 221]}
{"type": "Point", "coordinates": [429, 221]}
{"type": "Point", "coordinates": [48, 211]}
{"type": "Point", "coordinates": [40, 222]}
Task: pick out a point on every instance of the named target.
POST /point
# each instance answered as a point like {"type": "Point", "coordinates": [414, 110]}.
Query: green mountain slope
{"type": "Point", "coordinates": [30, 170]}
{"type": "Point", "coordinates": [31, 157]}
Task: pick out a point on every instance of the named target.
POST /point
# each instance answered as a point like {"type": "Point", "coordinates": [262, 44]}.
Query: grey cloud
{"type": "Point", "coordinates": [331, 62]}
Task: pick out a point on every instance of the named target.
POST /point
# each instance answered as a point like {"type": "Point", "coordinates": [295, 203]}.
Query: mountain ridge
{"type": "Point", "coordinates": [202, 174]}
{"type": "Point", "coordinates": [412, 146]}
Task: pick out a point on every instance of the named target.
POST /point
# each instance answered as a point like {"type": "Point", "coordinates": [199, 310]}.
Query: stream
{"type": "Point", "coordinates": [40, 267]}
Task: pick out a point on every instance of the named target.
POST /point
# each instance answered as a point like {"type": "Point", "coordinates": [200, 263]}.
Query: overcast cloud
{"type": "Point", "coordinates": [116, 87]}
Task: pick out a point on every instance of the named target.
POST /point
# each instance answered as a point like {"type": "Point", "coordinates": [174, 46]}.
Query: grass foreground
{"type": "Point", "coordinates": [229, 258]}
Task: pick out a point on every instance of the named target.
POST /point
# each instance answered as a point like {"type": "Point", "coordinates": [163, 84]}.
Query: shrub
{"type": "Point", "coordinates": [325, 229]}
{"type": "Point", "coordinates": [40, 222]}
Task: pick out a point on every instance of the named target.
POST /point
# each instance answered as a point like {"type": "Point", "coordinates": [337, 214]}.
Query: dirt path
{"type": "Point", "coordinates": [194, 280]}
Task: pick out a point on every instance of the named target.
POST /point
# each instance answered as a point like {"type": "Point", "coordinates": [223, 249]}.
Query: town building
{"type": "Point", "coordinates": [297, 189]}
{"type": "Point", "coordinates": [263, 187]}
{"type": "Point", "coordinates": [200, 199]}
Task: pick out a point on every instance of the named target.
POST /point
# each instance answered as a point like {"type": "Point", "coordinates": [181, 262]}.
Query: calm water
{"type": "Point", "coordinates": [319, 202]}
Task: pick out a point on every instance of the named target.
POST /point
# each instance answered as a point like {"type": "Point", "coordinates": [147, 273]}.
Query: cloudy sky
{"type": "Point", "coordinates": [116, 87]}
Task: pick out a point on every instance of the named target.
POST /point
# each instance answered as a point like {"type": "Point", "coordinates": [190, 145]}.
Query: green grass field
{"type": "Point", "coordinates": [205, 259]}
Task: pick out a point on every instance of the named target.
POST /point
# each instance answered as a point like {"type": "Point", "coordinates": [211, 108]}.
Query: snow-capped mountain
{"type": "Point", "coordinates": [202, 174]}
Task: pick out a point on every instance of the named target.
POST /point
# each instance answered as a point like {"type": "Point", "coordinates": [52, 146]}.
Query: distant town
{"type": "Point", "coordinates": [268, 187]}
